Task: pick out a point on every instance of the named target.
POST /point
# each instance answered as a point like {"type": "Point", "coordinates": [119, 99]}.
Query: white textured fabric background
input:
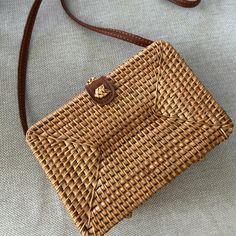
{"type": "Point", "coordinates": [202, 201]}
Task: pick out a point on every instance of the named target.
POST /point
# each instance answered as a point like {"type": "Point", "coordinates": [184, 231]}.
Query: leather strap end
{"type": "Point", "coordinates": [186, 3]}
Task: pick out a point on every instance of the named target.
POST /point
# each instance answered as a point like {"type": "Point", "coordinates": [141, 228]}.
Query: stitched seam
{"type": "Point", "coordinates": [142, 43]}
{"type": "Point", "coordinates": [131, 35]}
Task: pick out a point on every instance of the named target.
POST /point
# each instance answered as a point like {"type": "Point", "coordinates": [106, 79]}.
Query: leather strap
{"type": "Point", "coordinates": [132, 38]}
{"type": "Point", "coordinates": [186, 3]}
{"type": "Point", "coordinates": [23, 56]}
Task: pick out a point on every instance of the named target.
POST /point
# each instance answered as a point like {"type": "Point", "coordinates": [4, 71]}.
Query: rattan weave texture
{"type": "Point", "coordinates": [104, 161]}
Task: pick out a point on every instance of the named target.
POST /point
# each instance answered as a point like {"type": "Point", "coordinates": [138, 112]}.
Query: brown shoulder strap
{"type": "Point", "coordinates": [23, 57]}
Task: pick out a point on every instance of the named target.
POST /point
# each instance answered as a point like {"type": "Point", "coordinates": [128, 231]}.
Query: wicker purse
{"type": "Point", "coordinates": [126, 135]}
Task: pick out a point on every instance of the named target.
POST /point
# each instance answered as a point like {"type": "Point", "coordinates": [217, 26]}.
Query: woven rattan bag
{"type": "Point", "coordinates": [126, 135]}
